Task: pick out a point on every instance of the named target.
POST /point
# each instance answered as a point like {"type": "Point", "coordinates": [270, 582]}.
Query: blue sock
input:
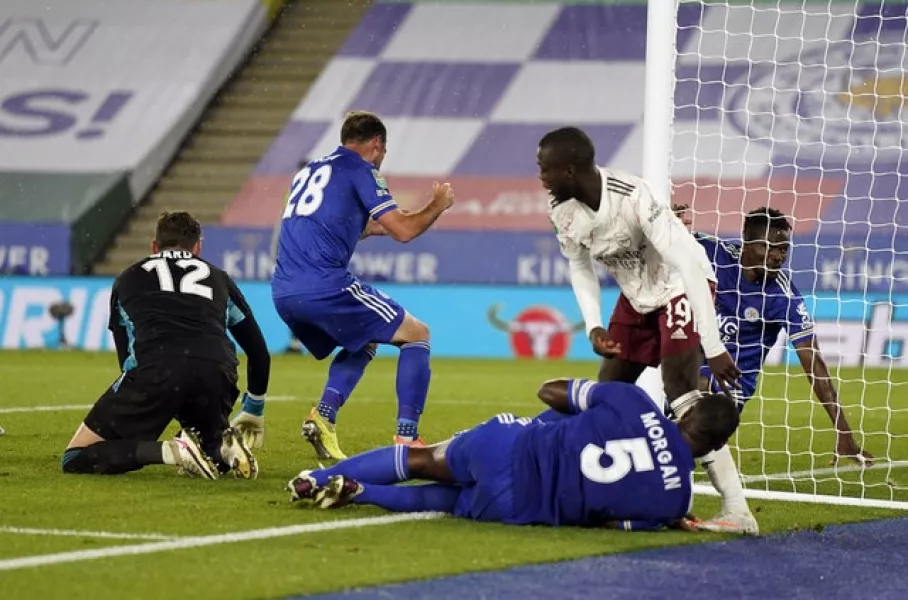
{"type": "Point", "coordinates": [434, 497]}
{"type": "Point", "coordinates": [413, 376]}
{"type": "Point", "coordinates": [383, 466]}
{"type": "Point", "coordinates": [344, 373]}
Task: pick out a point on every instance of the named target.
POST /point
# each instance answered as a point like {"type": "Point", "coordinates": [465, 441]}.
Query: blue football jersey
{"type": "Point", "coordinates": [752, 315]}
{"type": "Point", "coordinates": [618, 459]}
{"type": "Point", "coordinates": [329, 205]}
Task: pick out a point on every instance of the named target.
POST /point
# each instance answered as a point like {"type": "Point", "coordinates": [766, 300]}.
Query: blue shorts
{"type": "Point", "coordinates": [354, 316]}
{"type": "Point", "coordinates": [748, 383]}
{"type": "Point", "coordinates": [481, 460]}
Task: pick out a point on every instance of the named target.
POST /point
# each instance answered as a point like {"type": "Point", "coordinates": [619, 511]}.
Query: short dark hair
{"type": "Point", "coordinates": [362, 126]}
{"type": "Point", "coordinates": [177, 230]}
{"type": "Point", "coordinates": [571, 145]}
{"type": "Point", "coordinates": [760, 220]}
{"type": "Point", "coordinates": [711, 421]}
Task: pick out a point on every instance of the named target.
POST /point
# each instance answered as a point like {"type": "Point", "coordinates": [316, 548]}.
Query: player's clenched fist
{"type": "Point", "coordinates": [602, 344]}
{"type": "Point", "coordinates": [443, 193]}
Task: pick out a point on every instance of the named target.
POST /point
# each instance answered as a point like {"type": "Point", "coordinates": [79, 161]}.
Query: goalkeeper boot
{"type": "Point", "coordinates": [237, 455]}
{"type": "Point", "coordinates": [739, 522]}
{"type": "Point", "coordinates": [191, 459]}
{"type": "Point", "coordinates": [302, 487]}
{"type": "Point", "coordinates": [417, 442]}
{"type": "Point", "coordinates": [319, 432]}
{"type": "Point", "coordinates": [339, 491]}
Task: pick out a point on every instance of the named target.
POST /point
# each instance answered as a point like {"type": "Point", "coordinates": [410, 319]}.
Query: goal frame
{"type": "Point", "coordinates": [658, 119]}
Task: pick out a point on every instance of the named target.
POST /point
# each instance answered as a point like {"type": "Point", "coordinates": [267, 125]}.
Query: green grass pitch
{"type": "Point", "coordinates": [35, 495]}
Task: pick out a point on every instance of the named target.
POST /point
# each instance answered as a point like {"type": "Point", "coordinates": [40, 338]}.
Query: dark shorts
{"type": "Point", "coordinates": [481, 460]}
{"type": "Point", "coordinates": [351, 318]}
{"type": "Point", "coordinates": [647, 338]}
{"type": "Point", "coordinates": [198, 393]}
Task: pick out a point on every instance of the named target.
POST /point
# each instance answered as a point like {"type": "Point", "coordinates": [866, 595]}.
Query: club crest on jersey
{"type": "Point", "coordinates": [379, 180]}
{"type": "Point", "coordinates": [537, 332]}
{"type": "Point", "coordinates": [751, 314]}
{"type": "Point", "coordinates": [827, 99]}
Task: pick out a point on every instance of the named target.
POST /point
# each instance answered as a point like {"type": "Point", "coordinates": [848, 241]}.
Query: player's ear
{"type": "Point", "coordinates": [197, 248]}
{"type": "Point", "coordinates": [154, 247]}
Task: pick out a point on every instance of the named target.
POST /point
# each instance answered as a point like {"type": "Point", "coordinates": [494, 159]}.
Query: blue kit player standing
{"type": "Point", "coordinates": [604, 456]}
{"type": "Point", "coordinates": [755, 300]}
{"type": "Point", "coordinates": [334, 202]}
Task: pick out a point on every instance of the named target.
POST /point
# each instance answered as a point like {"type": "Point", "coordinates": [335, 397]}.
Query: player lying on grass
{"type": "Point", "coordinates": [169, 314]}
{"type": "Point", "coordinates": [665, 311]}
{"type": "Point", "coordinates": [756, 299]}
{"type": "Point", "coordinates": [334, 202]}
{"type": "Point", "coordinates": [605, 455]}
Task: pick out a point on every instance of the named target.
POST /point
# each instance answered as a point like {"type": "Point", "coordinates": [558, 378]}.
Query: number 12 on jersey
{"type": "Point", "coordinates": [307, 191]}
{"type": "Point", "coordinates": [196, 271]}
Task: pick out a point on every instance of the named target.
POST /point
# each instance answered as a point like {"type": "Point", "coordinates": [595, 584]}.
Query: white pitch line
{"type": "Point", "coordinates": [809, 474]}
{"type": "Point", "coordinates": [88, 534]}
{"type": "Point", "coordinates": [368, 400]}
{"type": "Point", "coordinates": [43, 560]}
{"type": "Point", "coordinates": [29, 409]}
{"type": "Point", "coordinates": [65, 407]}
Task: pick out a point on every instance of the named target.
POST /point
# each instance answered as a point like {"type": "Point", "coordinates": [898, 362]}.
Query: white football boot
{"type": "Point", "coordinates": [191, 459]}
{"type": "Point", "coordinates": [741, 523]}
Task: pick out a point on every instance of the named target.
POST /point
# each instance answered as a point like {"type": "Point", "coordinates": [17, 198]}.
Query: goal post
{"type": "Point", "coordinates": [801, 106]}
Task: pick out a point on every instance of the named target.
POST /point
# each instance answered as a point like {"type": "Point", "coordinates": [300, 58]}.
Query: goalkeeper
{"type": "Point", "coordinates": [170, 315]}
{"type": "Point", "coordinates": [755, 300]}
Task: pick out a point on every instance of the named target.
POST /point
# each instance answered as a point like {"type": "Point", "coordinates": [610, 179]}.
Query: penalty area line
{"type": "Point", "coordinates": [185, 543]}
{"type": "Point", "coordinates": [110, 535]}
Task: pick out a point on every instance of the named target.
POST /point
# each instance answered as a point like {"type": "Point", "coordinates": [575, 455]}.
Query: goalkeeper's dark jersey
{"type": "Point", "coordinates": [174, 304]}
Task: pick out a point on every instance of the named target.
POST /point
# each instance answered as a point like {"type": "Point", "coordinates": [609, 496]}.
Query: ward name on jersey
{"type": "Point", "coordinates": [619, 458]}
{"type": "Point", "coordinates": [337, 194]}
{"type": "Point", "coordinates": [628, 235]}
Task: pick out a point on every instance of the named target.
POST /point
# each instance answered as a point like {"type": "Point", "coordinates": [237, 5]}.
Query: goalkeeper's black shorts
{"type": "Point", "coordinates": [141, 404]}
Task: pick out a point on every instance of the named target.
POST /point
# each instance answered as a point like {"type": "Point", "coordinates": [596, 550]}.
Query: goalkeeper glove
{"type": "Point", "coordinates": [250, 423]}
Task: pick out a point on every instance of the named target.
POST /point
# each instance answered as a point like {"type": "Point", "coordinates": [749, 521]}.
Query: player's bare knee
{"type": "Point", "coordinates": [410, 331]}
{"type": "Point", "coordinates": [681, 373]}
{"type": "Point", "coordinates": [618, 369]}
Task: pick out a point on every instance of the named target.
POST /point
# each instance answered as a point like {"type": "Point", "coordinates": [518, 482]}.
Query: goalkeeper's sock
{"type": "Point", "coordinates": [723, 474]}
{"type": "Point", "coordinates": [413, 375]}
{"type": "Point", "coordinates": [435, 497]}
{"type": "Point", "coordinates": [344, 374]}
{"type": "Point", "coordinates": [112, 457]}
{"type": "Point", "coordinates": [382, 466]}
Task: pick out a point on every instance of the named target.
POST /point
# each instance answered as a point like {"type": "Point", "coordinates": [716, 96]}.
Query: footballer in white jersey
{"type": "Point", "coordinates": [666, 308]}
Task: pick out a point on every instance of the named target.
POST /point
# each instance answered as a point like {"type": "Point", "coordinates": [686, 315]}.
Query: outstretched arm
{"type": "Point", "coordinates": [569, 396]}
{"type": "Point", "coordinates": [821, 381]}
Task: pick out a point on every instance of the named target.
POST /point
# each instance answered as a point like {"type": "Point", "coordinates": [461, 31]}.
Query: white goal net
{"type": "Point", "coordinates": [803, 107]}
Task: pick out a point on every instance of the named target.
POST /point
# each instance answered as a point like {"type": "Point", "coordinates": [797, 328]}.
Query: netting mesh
{"type": "Point", "coordinates": [801, 106]}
